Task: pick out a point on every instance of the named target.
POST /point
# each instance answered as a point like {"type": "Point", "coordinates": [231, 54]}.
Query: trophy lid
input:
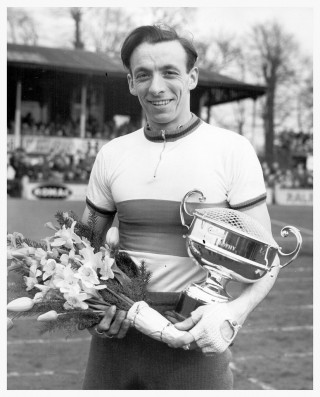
{"type": "Point", "coordinates": [238, 222]}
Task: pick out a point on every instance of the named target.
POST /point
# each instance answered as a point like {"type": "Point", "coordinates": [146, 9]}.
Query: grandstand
{"type": "Point", "coordinates": [64, 104]}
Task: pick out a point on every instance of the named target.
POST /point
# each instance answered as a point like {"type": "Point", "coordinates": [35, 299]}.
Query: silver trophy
{"type": "Point", "coordinates": [231, 246]}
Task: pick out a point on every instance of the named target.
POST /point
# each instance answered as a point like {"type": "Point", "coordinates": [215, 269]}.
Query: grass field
{"type": "Point", "coordinates": [273, 351]}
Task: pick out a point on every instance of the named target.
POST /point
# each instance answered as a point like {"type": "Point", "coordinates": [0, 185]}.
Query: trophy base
{"type": "Point", "coordinates": [197, 295]}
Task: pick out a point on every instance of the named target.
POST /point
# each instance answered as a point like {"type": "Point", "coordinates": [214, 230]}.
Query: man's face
{"type": "Point", "coordinates": [160, 80]}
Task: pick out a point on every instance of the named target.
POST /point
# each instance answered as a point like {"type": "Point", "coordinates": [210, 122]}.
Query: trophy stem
{"type": "Point", "coordinates": [216, 285]}
{"type": "Point", "coordinates": [210, 291]}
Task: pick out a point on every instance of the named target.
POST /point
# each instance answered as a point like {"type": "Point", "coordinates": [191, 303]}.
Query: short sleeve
{"type": "Point", "coordinates": [99, 196]}
{"type": "Point", "coordinates": [247, 187]}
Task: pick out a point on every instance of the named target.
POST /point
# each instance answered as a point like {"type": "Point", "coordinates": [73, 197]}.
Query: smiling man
{"type": "Point", "coordinates": [143, 177]}
{"type": "Point", "coordinates": [160, 79]}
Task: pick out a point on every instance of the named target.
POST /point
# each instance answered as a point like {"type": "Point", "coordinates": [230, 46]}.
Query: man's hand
{"type": "Point", "coordinates": [113, 324]}
{"type": "Point", "coordinates": [210, 328]}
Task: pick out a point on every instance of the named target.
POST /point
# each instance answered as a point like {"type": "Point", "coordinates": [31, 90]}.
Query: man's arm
{"type": "Point", "coordinates": [103, 222]}
{"type": "Point", "coordinates": [254, 293]}
{"type": "Point", "coordinates": [113, 323]}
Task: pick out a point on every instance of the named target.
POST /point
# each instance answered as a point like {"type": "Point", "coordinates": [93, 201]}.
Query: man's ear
{"type": "Point", "coordinates": [131, 85]}
{"type": "Point", "coordinates": [193, 78]}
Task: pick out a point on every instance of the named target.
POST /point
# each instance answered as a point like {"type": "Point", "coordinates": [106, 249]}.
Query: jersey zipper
{"type": "Point", "coordinates": [163, 134]}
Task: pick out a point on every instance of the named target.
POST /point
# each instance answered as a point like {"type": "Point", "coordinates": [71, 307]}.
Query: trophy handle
{"type": "Point", "coordinates": [183, 205]}
{"type": "Point", "coordinates": [284, 233]}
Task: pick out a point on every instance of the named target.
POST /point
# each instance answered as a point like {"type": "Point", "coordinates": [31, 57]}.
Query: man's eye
{"type": "Point", "coordinates": [170, 73]}
{"type": "Point", "coordinates": [142, 76]}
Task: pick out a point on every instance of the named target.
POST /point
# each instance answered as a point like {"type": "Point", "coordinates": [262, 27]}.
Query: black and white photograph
{"type": "Point", "coordinates": [159, 206]}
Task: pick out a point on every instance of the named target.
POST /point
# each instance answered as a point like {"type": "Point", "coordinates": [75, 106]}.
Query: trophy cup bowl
{"type": "Point", "coordinates": [231, 246]}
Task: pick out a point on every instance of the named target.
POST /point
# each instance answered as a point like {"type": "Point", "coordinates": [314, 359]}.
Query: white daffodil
{"type": "Point", "coordinates": [65, 259]}
{"type": "Point", "coordinates": [48, 240]}
{"type": "Point", "coordinates": [41, 255]}
{"type": "Point", "coordinates": [105, 270]}
{"type": "Point", "coordinates": [87, 275]}
{"type": "Point", "coordinates": [12, 239]}
{"type": "Point", "coordinates": [66, 281]}
{"type": "Point", "coordinates": [51, 267]}
{"type": "Point", "coordinates": [66, 237]}
{"type": "Point", "coordinates": [74, 301]}
{"type": "Point", "coordinates": [38, 297]}
{"type": "Point", "coordinates": [32, 280]}
{"type": "Point", "coordinates": [17, 253]}
{"type": "Point", "coordinates": [44, 289]}
{"type": "Point", "coordinates": [31, 250]}
{"type": "Point", "coordinates": [31, 262]}
{"type": "Point", "coordinates": [90, 258]}
{"type": "Point", "coordinates": [23, 251]}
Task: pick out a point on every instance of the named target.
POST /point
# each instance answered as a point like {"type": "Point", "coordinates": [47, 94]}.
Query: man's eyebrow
{"type": "Point", "coordinates": [146, 69]}
{"type": "Point", "coordinates": [141, 69]}
{"type": "Point", "coordinates": [169, 66]}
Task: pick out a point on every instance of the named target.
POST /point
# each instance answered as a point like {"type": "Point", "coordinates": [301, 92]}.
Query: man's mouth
{"type": "Point", "coordinates": [161, 103]}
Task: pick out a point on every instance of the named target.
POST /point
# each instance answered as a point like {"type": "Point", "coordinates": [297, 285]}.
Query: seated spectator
{"type": "Point", "coordinates": [11, 173]}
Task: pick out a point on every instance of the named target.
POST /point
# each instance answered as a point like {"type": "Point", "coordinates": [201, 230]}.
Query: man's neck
{"type": "Point", "coordinates": [169, 127]}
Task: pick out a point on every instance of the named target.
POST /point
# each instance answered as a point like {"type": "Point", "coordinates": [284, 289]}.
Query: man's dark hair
{"type": "Point", "coordinates": [156, 34]}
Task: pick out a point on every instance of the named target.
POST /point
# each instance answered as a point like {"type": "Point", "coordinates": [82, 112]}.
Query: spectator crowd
{"type": "Point", "coordinates": [297, 177]}
{"type": "Point", "coordinates": [60, 167]}
{"type": "Point", "coordinates": [55, 167]}
{"type": "Point", "coordinates": [295, 151]}
{"type": "Point", "coordinates": [71, 129]}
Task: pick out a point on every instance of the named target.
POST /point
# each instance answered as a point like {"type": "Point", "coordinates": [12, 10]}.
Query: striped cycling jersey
{"type": "Point", "coordinates": [144, 176]}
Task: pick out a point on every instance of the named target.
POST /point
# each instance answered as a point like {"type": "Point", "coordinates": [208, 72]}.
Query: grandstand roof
{"type": "Point", "coordinates": [98, 63]}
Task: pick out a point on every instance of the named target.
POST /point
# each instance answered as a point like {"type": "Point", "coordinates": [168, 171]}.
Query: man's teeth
{"type": "Point", "coordinates": [160, 103]}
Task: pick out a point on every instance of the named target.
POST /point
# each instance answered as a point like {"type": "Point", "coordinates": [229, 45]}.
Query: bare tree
{"type": "Point", "coordinates": [111, 25]}
{"type": "Point", "coordinates": [305, 99]}
{"type": "Point", "coordinates": [76, 14]}
{"type": "Point", "coordinates": [273, 54]}
{"type": "Point", "coordinates": [224, 54]}
{"type": "Point", "coordinates": [21, 27]}
{"type": "Point", "coordinates": [219, 53]}
{"type": "Point", "coordinates": [178, 18]}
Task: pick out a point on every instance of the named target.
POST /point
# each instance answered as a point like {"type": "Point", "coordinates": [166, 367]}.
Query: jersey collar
{"type": "Point", "coordinates": [172, 135]}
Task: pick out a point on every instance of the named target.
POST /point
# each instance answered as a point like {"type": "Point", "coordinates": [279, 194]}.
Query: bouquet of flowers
{"type": "Point", "coordinates": [64, 279]}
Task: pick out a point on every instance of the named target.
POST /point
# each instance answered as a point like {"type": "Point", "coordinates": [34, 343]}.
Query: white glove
{"type": "Point", "coordinates": [208, 321]}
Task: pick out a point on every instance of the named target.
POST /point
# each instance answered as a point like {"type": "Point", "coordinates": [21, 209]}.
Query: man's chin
{"type": "Point", "coordinates": [162, 118]}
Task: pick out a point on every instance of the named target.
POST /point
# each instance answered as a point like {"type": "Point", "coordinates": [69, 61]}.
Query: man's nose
{"type": "Point", "coordinates": [157, 85]}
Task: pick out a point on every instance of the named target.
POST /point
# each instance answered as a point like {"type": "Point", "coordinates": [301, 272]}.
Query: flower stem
{"type": "Point", "coordinates": [97, 301]}
{"type": "Point", "coordinates": [121, 297]}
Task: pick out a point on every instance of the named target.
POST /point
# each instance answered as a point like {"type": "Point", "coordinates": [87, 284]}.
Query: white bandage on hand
{"type": "Point", "coordinates": [207, 331]}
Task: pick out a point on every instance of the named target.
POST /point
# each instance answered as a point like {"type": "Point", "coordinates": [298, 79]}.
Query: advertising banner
{"type": "Point", "coordinates": [294, 196]}
{"type": "Point", "coordinates": [56, 191]}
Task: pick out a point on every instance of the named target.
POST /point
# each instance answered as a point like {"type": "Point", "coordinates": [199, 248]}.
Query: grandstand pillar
{"type": "Point", "coordinates": [83, 111]}
{"type": "Point", "coordinates": [209, 106]}
{"type": "Point", "coordinates": [17, 117]}
{"type": "Point", "coordinates": [254, 112]}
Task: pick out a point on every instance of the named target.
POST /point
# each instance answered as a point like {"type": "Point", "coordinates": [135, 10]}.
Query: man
{"type": "Point", "coordinates": [143, 176]}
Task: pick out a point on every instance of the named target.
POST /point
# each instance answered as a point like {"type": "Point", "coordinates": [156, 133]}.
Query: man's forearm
{"type": "Point", "coordinates": [253, 294]}
{"type": "Point", "coordinates": [103, 224]}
